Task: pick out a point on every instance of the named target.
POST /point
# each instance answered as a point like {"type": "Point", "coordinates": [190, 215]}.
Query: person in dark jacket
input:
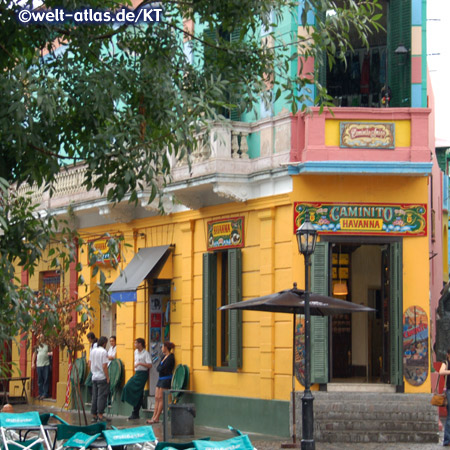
{"type": "Point", "coordinates": [445, 371]}
{"type": "Point", "coordinates": [165, 369]}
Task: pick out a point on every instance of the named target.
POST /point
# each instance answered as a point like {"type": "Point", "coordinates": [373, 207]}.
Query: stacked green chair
{"type": "Point", "coordinates": [77, 378]}
{"type": "Point", "coordinates": [116, 372]}
{"type": "Point", "coordinates": [180, 380]}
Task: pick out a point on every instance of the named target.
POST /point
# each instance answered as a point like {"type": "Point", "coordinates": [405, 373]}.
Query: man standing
{"type": "Point", "coordinates": [41, 360]}
{"type": "Point", "coordinates": [112, 349]}
{"type": "Point", "coordinates": [133, 391]}
{"type": "Point", "coordinates": [100, 379]}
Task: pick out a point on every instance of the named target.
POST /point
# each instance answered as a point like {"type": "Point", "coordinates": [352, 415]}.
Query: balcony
{"type": "Point", "coordinates": [233, 162]}
{"type": "Point", "coordinates": [318, 144]}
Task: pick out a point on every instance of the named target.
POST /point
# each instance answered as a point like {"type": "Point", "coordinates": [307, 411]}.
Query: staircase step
{"type": "Point", "coordinates": [372, 417]}
{"type": "Point", "coordinates": [376, 436]}
{"type": "Point", "coordinates": [379, 425]}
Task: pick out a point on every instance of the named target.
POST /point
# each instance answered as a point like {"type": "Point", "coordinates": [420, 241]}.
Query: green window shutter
{"type": "Point", "coordinates": [235, 317]}
{"type": "Point", "coordinates": [320, 68]}
{"type": "Point", "coordinates": [399, 66]}
{"type": "Point", "coordinates": [209, 308]}
{"type": "Point", "coordinates": [396, 314]}
{"type": "Point", "coordinates": [319, 325]}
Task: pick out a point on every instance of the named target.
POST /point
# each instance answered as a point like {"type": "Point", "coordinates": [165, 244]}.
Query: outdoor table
{"type": "Point", "coordinates": [166, 393]}
{"type": "Point", "coordinates": [4, 382]}
{"type": "Point", "coordinates": [27, 430]}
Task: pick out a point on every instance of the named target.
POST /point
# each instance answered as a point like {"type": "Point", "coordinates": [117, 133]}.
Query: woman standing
{"type": "Point", "coordinates": [444, 370]}
{"type": "Point", "coordinates": [165, 369]}
{"type": "Point", "coordinates": [134, 390]}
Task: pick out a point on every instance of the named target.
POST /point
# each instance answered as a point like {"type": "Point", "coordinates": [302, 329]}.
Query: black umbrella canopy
{"type": "Point", "coordinates": [293, 301]}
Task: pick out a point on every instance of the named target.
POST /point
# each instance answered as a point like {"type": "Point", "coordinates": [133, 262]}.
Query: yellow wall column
{"type": "Point", "coordinates": [187, 301]}
{"type": "Point", "coordinates": [267, 329]}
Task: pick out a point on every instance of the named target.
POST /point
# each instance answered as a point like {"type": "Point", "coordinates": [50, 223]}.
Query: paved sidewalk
{"type": "Point", "coordinates": [261, 442]}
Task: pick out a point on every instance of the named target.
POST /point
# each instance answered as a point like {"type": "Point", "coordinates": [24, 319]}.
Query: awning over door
{"type": "Point", "coordinates": [150, 259]}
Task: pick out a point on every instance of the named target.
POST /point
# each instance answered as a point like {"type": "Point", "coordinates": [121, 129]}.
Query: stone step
{"type": "Point", "coordinates": [367, 397]}
{"type": "Point", "coordinates": [397, 416]}
{"type": "Point", "coordinates": [371, 417]}
{"type": "Point", "coordinates": [377, 436]}
{"type": "Point", "coordinates": [359, 387]}
{"type": "Point", "coordinates": [379, 425]}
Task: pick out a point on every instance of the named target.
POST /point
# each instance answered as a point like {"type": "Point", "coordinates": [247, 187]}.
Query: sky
{"type": "Point", "coordinates": [438, 49]}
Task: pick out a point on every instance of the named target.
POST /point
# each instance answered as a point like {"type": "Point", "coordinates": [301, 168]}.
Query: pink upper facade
{"type": "Point", "coordinates": [310, 139]}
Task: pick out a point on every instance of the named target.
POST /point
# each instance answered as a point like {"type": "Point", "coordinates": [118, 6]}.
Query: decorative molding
{"type": "Point", "coordinates": [119, 213]}
{"type": "Point", "coordinates": [361, 168]}
{"type": "Point", "coordinates": [239, 192]}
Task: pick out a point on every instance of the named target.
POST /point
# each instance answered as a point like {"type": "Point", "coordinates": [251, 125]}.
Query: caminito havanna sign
{"type": "Point", "coordinates": [226, 233]}
{"type": "Point", "coordinates": [364, 218]}
{"type": "Point", "coordinates": [367, 135]}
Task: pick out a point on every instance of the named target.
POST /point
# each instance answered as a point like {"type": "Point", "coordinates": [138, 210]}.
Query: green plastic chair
{"type": "Point", "coordinates": [22, 422]}
{"type": "Point", "coordinates": [78, 372]}
{"type": "Point", "coordinates": [180, 380]}
{"type": "Point", "coordinates": [241, 442]}
{"type": "Point", "coordinates": [80, 440]}
{"type": "Point", "coordinates": [116, 372]}
{"type": "Point", "coordinates": [141, 437]}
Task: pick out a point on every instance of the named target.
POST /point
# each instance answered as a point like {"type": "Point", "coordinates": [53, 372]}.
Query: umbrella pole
{"type": "Point", "coordinates": [294, 433]}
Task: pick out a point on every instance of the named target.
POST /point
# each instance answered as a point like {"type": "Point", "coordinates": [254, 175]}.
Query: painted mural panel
{"type": "Point", "coordinates": [415, 345]}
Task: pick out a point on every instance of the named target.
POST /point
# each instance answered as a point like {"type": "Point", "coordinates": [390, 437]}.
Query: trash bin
{"type": "Point", "coordinates": [182, 419]}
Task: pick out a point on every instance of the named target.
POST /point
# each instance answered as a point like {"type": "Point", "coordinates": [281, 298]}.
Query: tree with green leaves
{"type": "Point", "coordinates": [125, 101]}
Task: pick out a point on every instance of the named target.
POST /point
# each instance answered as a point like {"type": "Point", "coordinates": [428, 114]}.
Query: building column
{"type": "Point", "coordinates": [187, 292]}
{"type": "Point", "coordinates": [267, 286]}
{"type": "Point", "coordinates": [23, 337]}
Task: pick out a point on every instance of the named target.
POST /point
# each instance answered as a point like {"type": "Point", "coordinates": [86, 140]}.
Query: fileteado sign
{"type": "Point", "coordinates": [367, 135]}
{"type": "Point", "coordinates": [364, 218]}
{"type": "Point", "coordinates": [226, 233]}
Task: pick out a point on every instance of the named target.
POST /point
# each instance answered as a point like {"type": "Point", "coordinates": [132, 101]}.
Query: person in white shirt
{"type": "Point", "coordinates": [112, 349]}
{"type": "Point", "coordinates": [134, 390]}
{"type": "Point", "coordinates": [100, 379]}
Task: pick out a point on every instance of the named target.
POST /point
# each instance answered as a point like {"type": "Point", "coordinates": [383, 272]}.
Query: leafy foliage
{"type": "Point", "coordinates": [127, 101]}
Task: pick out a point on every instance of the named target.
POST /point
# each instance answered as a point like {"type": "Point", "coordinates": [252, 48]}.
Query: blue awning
{"type": "Point", "coordinates": [145, 261]}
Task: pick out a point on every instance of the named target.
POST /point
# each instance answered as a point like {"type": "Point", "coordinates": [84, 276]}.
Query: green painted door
{"type": "Point", "coordinates": [396, 314]}
{"type": "Point", "coordinates": [319, 325]}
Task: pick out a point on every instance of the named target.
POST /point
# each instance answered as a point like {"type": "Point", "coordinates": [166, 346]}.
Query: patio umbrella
{"type": "Point", "coordinates": [293, 301]}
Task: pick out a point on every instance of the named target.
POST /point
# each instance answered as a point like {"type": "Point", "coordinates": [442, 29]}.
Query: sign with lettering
{"type": "Point", "coordinates": [364, 218]}
{"type": "Point", "coordinates": [367, 135]}
{"type": "Point", "coordinates": [101, 250]}
{"type": "Point", "coordinates": [226, 233]}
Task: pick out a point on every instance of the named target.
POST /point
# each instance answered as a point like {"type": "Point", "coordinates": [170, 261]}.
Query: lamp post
{"type": "Point", "coordinates": [306, 240]}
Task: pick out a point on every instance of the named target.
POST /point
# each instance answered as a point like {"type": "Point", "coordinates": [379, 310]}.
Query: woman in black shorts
{"type": "Point", "coordinates": [165, 369]}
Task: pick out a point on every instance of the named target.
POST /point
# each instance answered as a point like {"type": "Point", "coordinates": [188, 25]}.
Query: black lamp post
{"type": "Point", "coordinates": [306, 239]}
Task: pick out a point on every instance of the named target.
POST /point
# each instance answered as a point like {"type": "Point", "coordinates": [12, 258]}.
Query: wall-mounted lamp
{"type": "Point", "coordinates": [403, 53]}
{"type": "Point", "coordinates": [401, 50]}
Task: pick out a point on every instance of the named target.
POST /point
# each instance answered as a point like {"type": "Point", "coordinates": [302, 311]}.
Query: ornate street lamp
{"type": "Point", "coordinates": [306, 239]}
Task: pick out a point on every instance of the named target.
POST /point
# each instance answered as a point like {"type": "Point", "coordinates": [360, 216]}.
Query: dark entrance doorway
{"type": "Point", "coordinates": [363, 347]}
